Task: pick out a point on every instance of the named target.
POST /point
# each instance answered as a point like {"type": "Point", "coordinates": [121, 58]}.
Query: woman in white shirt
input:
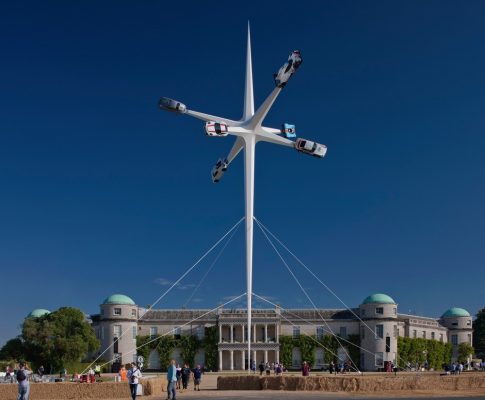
{"type": "Point", "coordinates": [133, 375]}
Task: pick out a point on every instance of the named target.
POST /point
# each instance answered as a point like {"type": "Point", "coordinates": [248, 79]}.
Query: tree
{"type": "Point", "coordinates": [14, 349]}
{"type": "Point", "coordinates": [465, 350]}
{"type": "Point", "coordinates": [58, 338]}
{"type": "Point", "coordinates": [479, 333]}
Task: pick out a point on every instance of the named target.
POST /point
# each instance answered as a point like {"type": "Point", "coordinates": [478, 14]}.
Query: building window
{"type": "Point", "coordinates": [395, 311]}
{"type": "Point", "coordinates": [343, 332]}
{"type": "Point", "coordinates": [133, 312]}
{"type": "Point", "coordinates": [320, 332]}
{"type": "Point", "coordinates": [379, 359]}
{"type": "Point", "coordinates": [379, 331]}
{"type": "Point", "coordinates": [424, 334]}
{"type": "Point", "coordinates": [454, 340]}
{"type": "Point", "coordinates": [134, 332]}
{"type": "Point", "coordinates": [379, 310]}
{"type": "Point", "coordinates": [153, 331]}
{"type": "Point", "coordinates": [117, 331]}
{"type": "Point", "coordinates": [469, 322]}
{"type": "Point", "coordinates": [433, 336]}
{"type": "Point", "coordinates": [296, 332]}
{"type": "Point", "coordinates": [470, 338]}
{"type": "Point", "coordinates": [117, 311]}
{"type": "Point", "coordinates": [362, 312]}
{"type": "Point", "coordinates": [441, 337]}
{"type": "Point", "coordinates": [415, 333]}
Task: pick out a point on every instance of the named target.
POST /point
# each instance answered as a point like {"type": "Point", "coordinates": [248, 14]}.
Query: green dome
{"type": "Point", "coordinates": [378, 298]}
{"type": "Point", "coordinates": [456, 312]}
{"type": "Point", "coordinates": [38, 312]}
{"type": "Point", "coordinates": [118, 299]}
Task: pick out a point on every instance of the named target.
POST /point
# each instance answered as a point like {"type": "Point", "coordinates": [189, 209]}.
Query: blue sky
{"type": "Point", "coordinates": [101, 192]}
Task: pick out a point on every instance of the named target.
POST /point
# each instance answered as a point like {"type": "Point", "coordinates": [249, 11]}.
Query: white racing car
{"type": "Point", "coordinates": [284, 74]}
{"type": "Point", "coordinates": [172, 105]}
{"type": "Point", "coordinates": [312, 148]}
{"type": "Point", "coordinates": [215, 129]}
{"type": "Point", "coordinates": [218, 170]}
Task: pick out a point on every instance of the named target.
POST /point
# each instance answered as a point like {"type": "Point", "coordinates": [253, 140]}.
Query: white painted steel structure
{"type": "Point", "coordinates": [249, 131]}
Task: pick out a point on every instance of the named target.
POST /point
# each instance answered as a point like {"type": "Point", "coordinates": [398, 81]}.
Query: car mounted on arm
{"type": "Point", "coordinates": [284, 74]}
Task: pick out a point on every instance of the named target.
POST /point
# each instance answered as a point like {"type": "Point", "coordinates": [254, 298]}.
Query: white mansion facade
{"type": "Point", "coordinates": [376, 321]}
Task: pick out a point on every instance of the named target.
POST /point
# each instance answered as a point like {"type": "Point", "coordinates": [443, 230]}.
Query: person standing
{"type": "Point", "coordinates": [253, 366]}
{"type": "Point", "coordinates": [197, 377]}
{"type": "Point", "coordinates": [97, 370]}
{"type": "Point", "coordinates": [305, 369]}
{"type": "Point", "coordinates": [23, 379]}
{"type": "Point", "coordinates": [134, 375]}
{"type": "Point", "coordinates": [172, 381]}
{"type": "Point", "coordinates": [185, 376]}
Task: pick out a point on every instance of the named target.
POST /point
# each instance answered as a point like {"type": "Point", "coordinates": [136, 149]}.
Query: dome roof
{"type": "Point", "coordinates": [38, 312]}
{"type": "Point", "coordinates": [456, 312]}
{"type": "Point", "coordinates": [118, 299]}
{"type": "Point", "coordinates": [378, 298]}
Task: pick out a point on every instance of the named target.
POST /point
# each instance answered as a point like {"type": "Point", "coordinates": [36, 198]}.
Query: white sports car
{"type": "Point", "coordinates": [312, 148]}
{"type": "Point", "coordinates": [284, 74]}
{"type": "Point", "coordinates": [218, 170]}
{"type": "Point", "coordinates": [215, 129]}
{"type": "Point", "coordinates": [172, 105]}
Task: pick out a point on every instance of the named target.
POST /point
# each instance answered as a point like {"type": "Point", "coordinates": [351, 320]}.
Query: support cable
{"type": "Point", "coordinates": [311, 337]}
{"type": "Point", "coordinates": [167, 291]}
{"type": "Point", "coordinates": [305, 292]}
{"type": "Point", "coordinates": [260, 224]}
{"type": "Point", "coordinates": [313, 324]}
{"type": "Point", "coordinates": [315, 276]}
{"type": "Point", "coordinates": [211, 266]}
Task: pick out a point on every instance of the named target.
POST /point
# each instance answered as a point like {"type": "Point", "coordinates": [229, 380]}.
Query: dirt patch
{"type": "Point", "coordinates": [367, 384]}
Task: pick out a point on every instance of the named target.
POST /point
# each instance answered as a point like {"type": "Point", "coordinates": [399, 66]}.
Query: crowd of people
{"type": "Point", "coordinates": [268, 368]}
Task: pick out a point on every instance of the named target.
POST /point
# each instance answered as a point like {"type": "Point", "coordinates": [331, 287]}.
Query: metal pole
{"type": "Point", "coordinates": [249, 156]}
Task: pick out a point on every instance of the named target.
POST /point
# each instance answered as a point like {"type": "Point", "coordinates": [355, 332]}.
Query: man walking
{"type": "Point", "coordinates": [172, 381]}
{"type": "Point", "coordinates": [23, 380]}
{"type": "Point", "coordinates": [133, 375]}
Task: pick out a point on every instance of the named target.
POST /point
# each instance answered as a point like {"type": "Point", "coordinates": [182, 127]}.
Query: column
{"type": "Point", "coordinates": [254, 358]}
{"type": "Point", "coordinates": [265, 333]}
{"type": "Point", "coordinates": [277, 356]}
{"type": "Point", "coordinates": [220, 333]}
{"type": "Point", "coordinates": [254, 333]}
{"type": "Point", "coordinates": [220, 360]}
{"type": "Point", "coordinates": [277, 333]}
{"type": "Point", "coordinates": [231, 327]}
{"type": "Point", "coordinates": [243, 359]}
{"type": "Point", "coordinates": [265, 356]}
{"type": "Point", "coordinates": [243, 338]}
{"type": "Point", "coordinates": [232, 359]}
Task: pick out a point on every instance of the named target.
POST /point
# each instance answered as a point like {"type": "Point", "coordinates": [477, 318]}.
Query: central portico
{"type": "Point", "coordinates": [233, 338]}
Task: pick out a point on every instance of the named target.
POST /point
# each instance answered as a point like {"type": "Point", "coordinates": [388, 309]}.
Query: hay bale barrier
{"type": "Point", "coordinates": [354, 383]}
{"type": "Point", "coordinates": [71, 390]}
